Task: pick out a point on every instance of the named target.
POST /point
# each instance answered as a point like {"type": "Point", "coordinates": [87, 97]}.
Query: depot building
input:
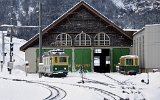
{"type": "Point", "coordinates": [87, 36]}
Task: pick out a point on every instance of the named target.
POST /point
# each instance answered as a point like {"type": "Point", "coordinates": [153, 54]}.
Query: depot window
{"type": "Point", "coordinates": [97, 50]}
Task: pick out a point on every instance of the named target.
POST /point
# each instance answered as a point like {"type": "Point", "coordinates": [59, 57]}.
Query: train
{"type": "Point", "coordinates": [55, 63]}
{"type": "Point", "coordinates": [129, 64]}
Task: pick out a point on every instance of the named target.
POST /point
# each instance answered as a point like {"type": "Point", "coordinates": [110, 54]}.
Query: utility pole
{"type": "Point", "coordinates": [40, 31]}
{"type": "Point", "coordinates": [10, 64]}
{"type": "Point", "coordinates": [3, 46]}
{"type": "Point", "coordinates": [3, 54]}
{"type": "Point", "coordinates": [11, 30]}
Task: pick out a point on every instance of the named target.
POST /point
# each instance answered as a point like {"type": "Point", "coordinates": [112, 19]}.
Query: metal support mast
{"type": "Point", "coordinates": [3, 54]}
{"type": "Point", "coordinates": [11, 30]}
{"type": "Point", "coordinates": [3, 47]}
{"type": "Point", "coordinates": [40, 31]}
{"type": "Point", "coordinates": [11, 44]}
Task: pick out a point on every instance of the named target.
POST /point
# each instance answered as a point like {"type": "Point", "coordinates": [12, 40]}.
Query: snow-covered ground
{"type": "Point", "coordinates": [112, 86]}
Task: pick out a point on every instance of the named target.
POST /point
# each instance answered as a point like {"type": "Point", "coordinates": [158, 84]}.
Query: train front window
{"type": "Point", "coordinates": [63, 59]}
{"type": "Point", "coordinates": [129, 61]}
{"type": "Point", "coordinates": [56, 60]}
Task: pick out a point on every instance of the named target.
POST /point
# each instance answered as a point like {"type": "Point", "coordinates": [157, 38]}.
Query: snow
{"type": "Point", "coordinates": [129, 56]}
{"type": "Point", "coordinates": [18, 55]}
{"type": "Point", "coordinates": [152, 25]}
{"type": "Point", "coordinates": [125, 86]}
{"type": "Point", "coordinates": [131, 30]}
{"type": "Point", "coordinates": [11, 90]}
{"type": "Point", "coordinates": [119, 3]}
{"type": "Point", "coordinates": [31, 9]}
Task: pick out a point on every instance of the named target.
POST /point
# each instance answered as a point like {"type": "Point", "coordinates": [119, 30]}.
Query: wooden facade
{"type": "Point", "coordinates": [81, 26]}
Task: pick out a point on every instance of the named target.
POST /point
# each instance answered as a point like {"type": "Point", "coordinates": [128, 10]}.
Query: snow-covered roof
{"type": "Point", "coordinates": [148, 25]}
{"type": "Point", "coordinates": [131, 30]}
{"type": "Point", "coordinates": [129, 56]}
{"type": "Point", "coordinates": [153, 25]}
{"type": "Point", "coordinates": [139, 31]}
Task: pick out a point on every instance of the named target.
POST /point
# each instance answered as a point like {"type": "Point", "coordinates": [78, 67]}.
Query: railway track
{"type": "Point", "coordinates": [59, 93]}
{"type": "Point", "coordinates": [128, 87]}
{"type": "Point", "coordinates": [109, 94]}
{"type": "Point", "coordinates": [112, 95]}
{"type": "Point", "coordinates": [87, 80]}
{"type": "Point", "coordinates": [56, 93]}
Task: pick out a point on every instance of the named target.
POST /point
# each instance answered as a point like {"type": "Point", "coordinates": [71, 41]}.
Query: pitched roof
{"type": "Point", "coordinates": [75, 7]}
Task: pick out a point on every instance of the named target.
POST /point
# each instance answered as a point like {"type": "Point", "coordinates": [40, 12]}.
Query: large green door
{"type": "Point", "coordinates": [116, 54]}
{"type": "Point", "coordinates": [82, 57]}
{"type": "Point", "coordinates": [69, 53]}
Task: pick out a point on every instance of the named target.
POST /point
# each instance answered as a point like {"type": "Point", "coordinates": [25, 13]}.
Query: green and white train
{"type": "Point", "coordinates": [55, 63]}
{"type": "Point", "coordinates": [129, 64]}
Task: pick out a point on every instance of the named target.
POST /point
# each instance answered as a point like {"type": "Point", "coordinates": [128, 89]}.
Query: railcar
{"type": "Point", "coordinates": [129, 64]}
{"type": "Point", "coordinates": [55, 63]}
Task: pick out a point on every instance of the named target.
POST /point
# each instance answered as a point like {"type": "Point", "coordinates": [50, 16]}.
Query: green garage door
{"type": "Point", "coordinates": [69, 53]}
{"type": "Point", "coordinates": [116, 54]}
{"type": "Point", "coordinates": [83, 58]}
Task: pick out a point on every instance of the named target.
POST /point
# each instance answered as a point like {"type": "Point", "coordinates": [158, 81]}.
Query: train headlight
{"type": "Point", "coordinates": [55, 68]}
{"type": "Point", "coordinates": [64, 68]}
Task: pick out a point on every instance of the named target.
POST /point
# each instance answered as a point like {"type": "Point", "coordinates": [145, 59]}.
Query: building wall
{"type": "Point", "coordinates": [30, 56]}
{"type": "Point", "coordinates": [152, 46]}
{"type": "Point", "coordinates": [139, 47]}
{"type": "Point", "coordinates": [146, 44]}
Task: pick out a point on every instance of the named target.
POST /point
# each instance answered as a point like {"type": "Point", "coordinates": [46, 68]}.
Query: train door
{"type": "Point", "coordinates": [102, 60]}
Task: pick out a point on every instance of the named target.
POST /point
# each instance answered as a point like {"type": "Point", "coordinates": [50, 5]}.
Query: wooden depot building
{"type": "Point", "coordinates": [88, 37]}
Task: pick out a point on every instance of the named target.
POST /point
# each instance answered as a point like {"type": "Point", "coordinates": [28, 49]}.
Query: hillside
{"type": "Point", "coordinates": [125, 13]}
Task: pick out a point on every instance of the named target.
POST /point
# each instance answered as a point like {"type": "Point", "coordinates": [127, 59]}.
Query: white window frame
{"type": "Point", "coordinates": [82, 39]}
{"type": "Point", "coordinates": [97, 50]}
{"type": "Point", "coordinates": [63, 41]}
{"type": "Point", "coordinates": [98, 41]}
